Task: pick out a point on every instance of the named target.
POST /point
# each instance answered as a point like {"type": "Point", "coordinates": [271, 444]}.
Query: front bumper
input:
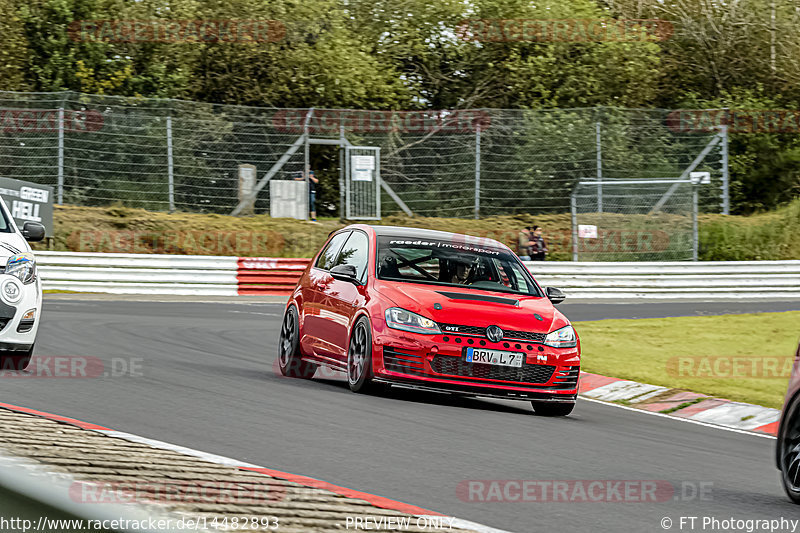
{"type": "Point", "coordinates": [17, 334]}
{"type": "Point", "coordinates": [437, 362]}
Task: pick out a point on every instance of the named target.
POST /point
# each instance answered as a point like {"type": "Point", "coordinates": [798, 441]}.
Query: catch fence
{"type": "Point", "coordinates": [165, 155]}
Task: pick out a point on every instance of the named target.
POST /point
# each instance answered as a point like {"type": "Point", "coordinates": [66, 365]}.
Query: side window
{"type": "Point", "coordinates": [326, 259]}
{"type": "Point", "coordinates": [355, 252]}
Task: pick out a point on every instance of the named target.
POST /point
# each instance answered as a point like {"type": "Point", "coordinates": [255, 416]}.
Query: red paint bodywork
{"type": "Point", "coordinates": [328, 309]}
{"type": "Point", "coordinates": [792, 398]}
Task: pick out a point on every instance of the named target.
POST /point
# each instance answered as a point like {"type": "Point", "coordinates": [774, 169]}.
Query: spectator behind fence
{"type": "Point", "coordinates": [312, 193]}
{"type": "Point", "coordinates": [524, 244]}
{"type": "Point", "coordinates": [538, 246]}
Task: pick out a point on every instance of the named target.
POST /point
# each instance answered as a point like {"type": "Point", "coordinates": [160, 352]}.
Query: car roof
{"type": "Point", "coordinates": [420, 233]}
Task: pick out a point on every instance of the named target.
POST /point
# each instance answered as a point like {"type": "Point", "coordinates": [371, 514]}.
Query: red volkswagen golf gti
{"type": "Point", "coordinates": [433, 310]}
{"type": "Point", "coordinates": [788, 451]}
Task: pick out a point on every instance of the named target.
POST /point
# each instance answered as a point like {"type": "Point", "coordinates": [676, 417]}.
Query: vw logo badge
{"type": "Point", "coordinates": [494, 333]}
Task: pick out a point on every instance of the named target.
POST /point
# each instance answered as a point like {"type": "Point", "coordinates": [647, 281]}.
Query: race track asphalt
{"type": "Point", "coordinates": [208, 381]}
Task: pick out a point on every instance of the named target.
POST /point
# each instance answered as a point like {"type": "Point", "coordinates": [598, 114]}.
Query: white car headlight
{"type": "Point", "coordinates": [561, 338]}
{"type": "Point", "coordinates": [398, 318]}
{"type": "Point", "coordinates": [22, 266]}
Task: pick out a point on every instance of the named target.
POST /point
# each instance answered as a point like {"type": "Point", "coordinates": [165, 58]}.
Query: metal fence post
{"type": "Point", "coordinates": [599, 167]}
{"type": "Point", "coordinates": [307, 160]}
{"type": "Point", "coordinates": [573, 202]}
{"type": "Point", "coordinates": [695, 232]}
{"type": "Point", "coordinates": [61, 155]}
{"type": "Point", "coordinates": [170, 167]}
{"type": "Point", "coordinates": [342, 163]}
{"type": "Point", "coordinates": [477, 171]}
{"type": "Point", "coordinates": [726, 199]}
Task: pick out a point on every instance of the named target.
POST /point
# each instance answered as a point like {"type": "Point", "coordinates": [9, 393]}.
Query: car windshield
{"type": "Point", "coordinates": [5, 225]}
{"type": "Point", "coordinates": [465, 264]}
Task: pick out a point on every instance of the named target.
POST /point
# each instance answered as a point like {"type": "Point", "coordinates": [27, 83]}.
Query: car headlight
{"type": "Point", "coordinates": [398, 318]}
{"type": "Point", "coordinates": [22, 266]}
{"type": "Point", "coordinates": [562, 338]}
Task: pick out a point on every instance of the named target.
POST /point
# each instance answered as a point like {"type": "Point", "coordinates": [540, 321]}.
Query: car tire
{"type": "Point", "coordinates": [290, 359]}
{"type": "Point", "coordinates": [552, 408]}
{"type": "Point", "coordinates": [17, 361]}
{"type": "Point", "coordinates": [359, 358]}
{"type": "Point", "coordinates": [789, 452]}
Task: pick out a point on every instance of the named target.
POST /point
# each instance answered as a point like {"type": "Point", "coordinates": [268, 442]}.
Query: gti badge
{"type": "Point", "coordinates": [541, 357]}
{"type": "Point", "coordinates": [494, 333]}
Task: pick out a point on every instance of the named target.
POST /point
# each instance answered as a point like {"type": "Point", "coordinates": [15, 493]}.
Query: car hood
{"type": "Point", "coordinates": [12, 244]}
{"type": "Point", "coordinates": [474, 307]}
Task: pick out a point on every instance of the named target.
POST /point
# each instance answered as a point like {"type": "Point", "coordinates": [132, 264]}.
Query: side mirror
{"type": "Point", "coordinates": [33, 231]}
{"type": "Point", "coordinates": [555, 295]}
{"type": "Point", "coordinates": [345, 273]}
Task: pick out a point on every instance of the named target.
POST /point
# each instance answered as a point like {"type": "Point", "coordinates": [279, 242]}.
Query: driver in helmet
{"type": "Point", "coordinates": [460, 272]}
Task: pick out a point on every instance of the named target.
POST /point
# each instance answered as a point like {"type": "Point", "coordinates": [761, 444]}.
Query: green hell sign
{"type": "Point", "coordinates": [28, 202]}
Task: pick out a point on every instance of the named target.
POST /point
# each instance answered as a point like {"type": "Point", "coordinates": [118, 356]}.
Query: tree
{"type": "Point", "coordinates": [14, 51]}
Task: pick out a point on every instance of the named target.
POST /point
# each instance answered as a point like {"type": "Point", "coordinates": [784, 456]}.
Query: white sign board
{"type": "Point", "coordinates": [29, 202]}
{"type": "Point", "coordinates": [361, 167]}
{"type": "Point", "coordinates": [247, 182]}
{"type": "Point", "coordinates": [288, 199]}
{"type": "Point", "coordinates": [702, 178]}
{"type": "Point", "coordinates": [587, 231]}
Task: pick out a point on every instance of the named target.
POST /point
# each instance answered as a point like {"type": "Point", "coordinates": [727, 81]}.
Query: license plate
{"type": "Point", "coordinates": [494, 357]}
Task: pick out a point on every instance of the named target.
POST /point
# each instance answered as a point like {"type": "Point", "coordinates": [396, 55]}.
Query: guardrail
{"type": "Point", "coordinates": [231, 276]}
{"type": "Point", "coordinates": [667, 280]}
{"type": "Point", "coordinates": [199, 275]}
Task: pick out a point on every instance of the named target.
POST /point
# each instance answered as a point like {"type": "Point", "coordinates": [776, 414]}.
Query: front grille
{"type": "Point", "coordinates": [525, 335]}
{"type": "Point", "coordinates": [405, 363]}
{"type": "Point", "coordinates": [463, 330]}
{"type": "Point", "coordinates": [24, 326]}
{"type": "Point", "coordinates": [456, 366]}
{"type": "Point", "coordinates": [567, 379]}
{"type": "Point", "coordinates": [481, 332]}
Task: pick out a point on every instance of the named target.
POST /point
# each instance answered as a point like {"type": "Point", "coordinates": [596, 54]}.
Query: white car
{"type": "Point", "coordinates": [20, 291]}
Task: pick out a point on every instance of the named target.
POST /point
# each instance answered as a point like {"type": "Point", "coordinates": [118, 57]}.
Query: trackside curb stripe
{"type": "Point", "coordinates": [717, 412]}
{"type": "Point", "coordinates": [684, 420]}
{"type": "Point", "coordinates": [57, 418]}
{"type": "Point", "coordinates": [377, 501]}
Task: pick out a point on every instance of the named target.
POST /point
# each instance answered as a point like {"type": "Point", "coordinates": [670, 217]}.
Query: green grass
{"type": "Point", "coordinates": [681, 406]}
{"type": "Point", "coordinates": [771, 235]}
{"type": "Point", "coordinates": [662, 351]}
{"type": "Point", "coordinates": [116, 228]}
